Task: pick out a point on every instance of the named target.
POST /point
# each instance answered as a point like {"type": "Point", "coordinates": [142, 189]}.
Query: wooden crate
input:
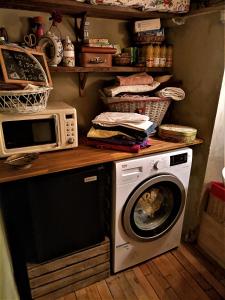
{"type": "Point", "coordinates": [63, 275]}
{"type": "Point", "coordinates": [211, 238]}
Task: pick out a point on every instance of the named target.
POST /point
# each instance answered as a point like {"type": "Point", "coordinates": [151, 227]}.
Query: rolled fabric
{"type": "Point", "coordinates": [115, 90]}
{"type": "Point", "coordinates": [174, 93]}
{"type": "Point", "coordinates": [136, 79]}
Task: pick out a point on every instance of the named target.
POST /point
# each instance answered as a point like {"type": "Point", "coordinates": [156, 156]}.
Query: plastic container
{"type": "Point", "coordinates": [177, 133]}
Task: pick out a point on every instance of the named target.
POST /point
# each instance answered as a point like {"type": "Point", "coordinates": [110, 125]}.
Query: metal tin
{"type": "Point", "coordinates": [177, 133]}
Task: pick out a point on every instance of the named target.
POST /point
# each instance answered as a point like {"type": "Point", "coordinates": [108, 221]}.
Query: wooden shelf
{"type": "Point", "coordinates": [83, 72]}
{"type": "Point", "coordinates": [74, 8]}
{"type": "Point", "coordinates": [82, 156]}
{"type": "Point", "coordinates": [114, 69]}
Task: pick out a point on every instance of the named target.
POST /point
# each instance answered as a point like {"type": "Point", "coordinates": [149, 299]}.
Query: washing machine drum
{"type": "Point", "coordinates": [154, 207]}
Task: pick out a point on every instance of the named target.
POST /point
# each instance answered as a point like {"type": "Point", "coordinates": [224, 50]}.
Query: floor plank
{"type": "Point", "coordinates": [125, 286]}
{"type": "Point", "coordinates": [115, 289]}
{"type": "Point", "coordinates": [180, 274]}
{"type": "Point", "coordinates": [177, 282]}
{"type": "Point", "coordinates": [201, 294]}
{"type": "Point", "coordinates": [204, 271]}
{"type": "Point", "coordinates": [104, 290]}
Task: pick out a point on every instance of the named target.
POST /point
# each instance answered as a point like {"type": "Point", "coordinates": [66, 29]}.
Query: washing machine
{"type": "Point", "coordinates": [149, 197]}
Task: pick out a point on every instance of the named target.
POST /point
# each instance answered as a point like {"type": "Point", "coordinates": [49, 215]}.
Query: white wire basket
{"type": "Point", "coordinates": [27, 100]}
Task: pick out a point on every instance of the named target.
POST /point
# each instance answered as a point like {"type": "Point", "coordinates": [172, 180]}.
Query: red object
{"type": "Point", "coordinates": [56, 17]}
{"type": "Point", "coordinates": [218, 190]}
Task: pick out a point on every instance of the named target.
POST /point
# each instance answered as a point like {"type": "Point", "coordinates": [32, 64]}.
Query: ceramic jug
{"type": "Point", "coordinates": [52, 46]}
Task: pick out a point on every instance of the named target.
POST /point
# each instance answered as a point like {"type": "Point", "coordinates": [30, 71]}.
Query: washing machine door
{"type": "Point", "coordinates": [154, 207]}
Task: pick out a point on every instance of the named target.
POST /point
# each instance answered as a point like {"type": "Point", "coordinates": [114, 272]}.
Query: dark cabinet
{"type": "Point", "coordinates": [53, 215]}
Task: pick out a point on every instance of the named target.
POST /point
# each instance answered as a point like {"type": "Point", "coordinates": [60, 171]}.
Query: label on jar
{"type": "Point", "coordinates": [162, 62]}
{"type": "Point", "coordinates": [156, 62]}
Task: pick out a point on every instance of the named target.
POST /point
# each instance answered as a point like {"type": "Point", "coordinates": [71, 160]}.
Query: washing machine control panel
{"type": "Point", "coordinates": [178, 159]}
{"type": "Point", "coordinates": [159, 164]}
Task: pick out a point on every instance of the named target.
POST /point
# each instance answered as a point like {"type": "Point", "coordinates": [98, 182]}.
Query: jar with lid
{"type": "Point", "coordinates": [162, 60]}
{"type": "Point", "coordinates": [149, 56]}
{"type": "Point", "coordinates": [169, 56]}
{"type": "Point", "coordinates": [156, 56]}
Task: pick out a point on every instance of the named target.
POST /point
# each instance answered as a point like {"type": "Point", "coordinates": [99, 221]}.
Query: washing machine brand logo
{"type": "Point", "coordinates": [124, 166]}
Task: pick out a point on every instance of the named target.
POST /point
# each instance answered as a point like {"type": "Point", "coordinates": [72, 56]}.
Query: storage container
{"type": "Point", "coordinates": [95, 60]}
{"type": "Point", "coordinates": [177, 133]}
{"type": "Point", "coordinates": [153, 107]}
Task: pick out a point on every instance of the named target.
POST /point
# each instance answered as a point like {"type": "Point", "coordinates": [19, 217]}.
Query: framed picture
{"type": "Point", "coordinates": [18, 66]}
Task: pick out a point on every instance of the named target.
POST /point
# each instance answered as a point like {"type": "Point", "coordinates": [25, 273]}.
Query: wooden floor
{"type": "Point", "coordinates": [183, 273]}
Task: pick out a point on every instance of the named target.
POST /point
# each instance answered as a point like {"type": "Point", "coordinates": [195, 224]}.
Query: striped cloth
{"type": "Point", "coordinates": [174, 93]}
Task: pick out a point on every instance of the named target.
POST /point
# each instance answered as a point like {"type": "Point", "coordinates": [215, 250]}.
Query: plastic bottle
{"type": "Point", "coordinates": [162, 61]}
{"type": "Point", "coordinates": [169, 56]}
{"type": "Point", "coordinates": [68, 53]}
{"type": "Point", "coordinates": [156, 56]}
{"type": "Point", "coordinates": [149, 56]}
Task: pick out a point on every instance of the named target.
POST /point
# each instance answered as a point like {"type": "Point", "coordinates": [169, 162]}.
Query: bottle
{"type": "Point", "coordinates": [149, 56]}
{"type": "Point", "coordinates": [162, 61]}
{"type": "Point", "coordinates": [86, 32]}
{"type": "Point", "coordinates": [68, 53]}
{"type": "Point", "coordinates": [156, 56]}
{"type": "Point", "coordinates": [39, 26]}
{"type": "Point", "coordinates": [169, 56]}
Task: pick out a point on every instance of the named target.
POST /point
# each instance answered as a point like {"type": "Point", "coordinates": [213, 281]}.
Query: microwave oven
{"type": "Point", "coordinates": [54, 128]}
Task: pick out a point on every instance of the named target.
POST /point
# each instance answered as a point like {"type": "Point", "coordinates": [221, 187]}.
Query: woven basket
{"type": "Point", "coordinates": [26, 101]}
{"type": "Point", "coordinates": [153, 107]}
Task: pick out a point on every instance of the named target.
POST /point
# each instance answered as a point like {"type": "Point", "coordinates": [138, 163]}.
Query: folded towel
{"type": "Point", "coordinates": [139, 135]}
{"type": "Point", "coordinates": [104, 134]}
{"type": "Point", "coordinates": [115, 90]}
{"type": "Point", "coordinates": [119, 117]}
{"type": "Point", "coordinates": [135, 79]}
{"type": "Point", "coordinates": [174, 93]}
{"type": "Point", "coordinates": [126, 148]}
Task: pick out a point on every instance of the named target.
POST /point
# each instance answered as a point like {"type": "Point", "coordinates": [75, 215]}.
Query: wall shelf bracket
{"type": "Point", "coordinates": [79, 27]}
{"type": "Point", "coordinates": [82, 81]}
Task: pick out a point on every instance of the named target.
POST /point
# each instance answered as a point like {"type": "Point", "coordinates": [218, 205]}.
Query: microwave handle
{"type": "Point", "coordinates": [56, 130]}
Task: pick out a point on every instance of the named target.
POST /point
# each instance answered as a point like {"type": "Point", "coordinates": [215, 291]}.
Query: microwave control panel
{"type": "Point", "coordinates": [70, 129]}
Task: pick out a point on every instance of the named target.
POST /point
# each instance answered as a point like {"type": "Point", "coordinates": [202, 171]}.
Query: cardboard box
{"type": "Point", "coordinates": [146, 25]}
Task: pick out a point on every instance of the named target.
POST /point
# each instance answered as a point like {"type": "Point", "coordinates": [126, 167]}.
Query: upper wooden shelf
{"type": "Point", "coordinates": [81, 156]}
{"type": "Point", "coordinates": [114, 69]}
{"type": "Point", "coordinates": [74, 8]}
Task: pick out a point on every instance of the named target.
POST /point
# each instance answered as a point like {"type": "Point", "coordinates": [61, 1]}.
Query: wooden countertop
{"type": "Point", "coordinates": [51, 162]}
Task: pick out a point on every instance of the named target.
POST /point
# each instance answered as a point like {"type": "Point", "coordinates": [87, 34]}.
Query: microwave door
{"type": "Point", "coordinates": [30, 133]}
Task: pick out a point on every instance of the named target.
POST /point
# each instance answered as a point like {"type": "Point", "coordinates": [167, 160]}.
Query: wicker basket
{"type": "Point", "coordinates": [153, 107]}
{"type": "Point", "coordinates": [27, 100]}
{"type": "Point", "coordinates": [24, 101]}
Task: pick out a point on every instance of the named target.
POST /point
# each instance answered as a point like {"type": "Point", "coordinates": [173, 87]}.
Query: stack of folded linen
{"type": "Point", "coordinates": [121, 131]}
